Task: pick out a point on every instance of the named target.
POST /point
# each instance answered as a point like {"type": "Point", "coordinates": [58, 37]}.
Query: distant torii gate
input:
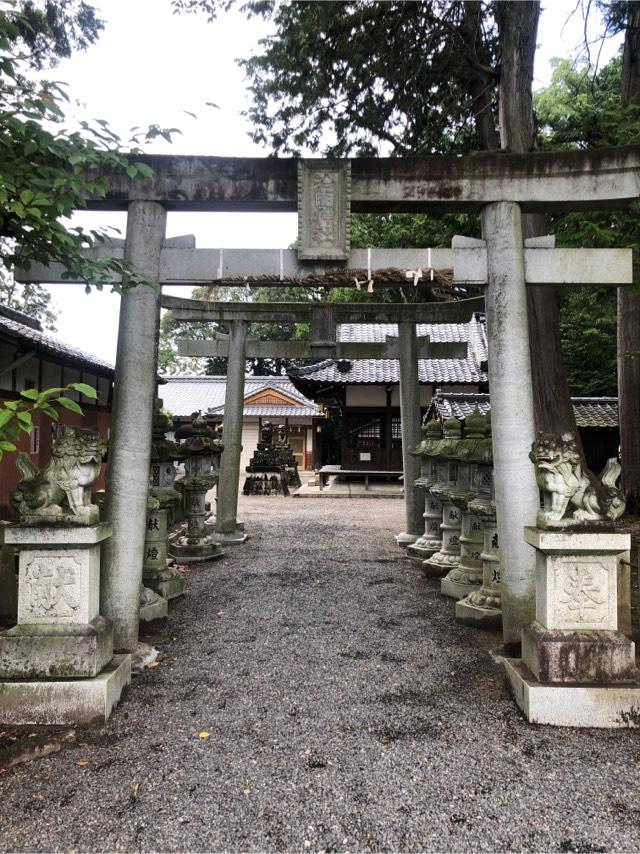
{"type": "Point", "coordinates": [499, 185]}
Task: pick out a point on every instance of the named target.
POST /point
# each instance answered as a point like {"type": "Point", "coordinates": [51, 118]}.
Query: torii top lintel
{"type": "Point", "coordinates": [549, 181]}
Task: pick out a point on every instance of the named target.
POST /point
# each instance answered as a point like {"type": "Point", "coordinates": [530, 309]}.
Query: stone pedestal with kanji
{"type": "Point", "coordinates": [576, 668]}
{"type": "Point", "coordinates": [60, 634]}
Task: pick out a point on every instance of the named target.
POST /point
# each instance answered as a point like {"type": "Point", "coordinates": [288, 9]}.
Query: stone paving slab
{"type": "Point", "coordinates": [345, 711]}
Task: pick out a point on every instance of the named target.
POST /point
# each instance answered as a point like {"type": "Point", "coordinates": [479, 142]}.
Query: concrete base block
{"type": "Point", "coordinates": [591, 657]}
{"type": "Point", "coordinates": [156, 610]}
{"type": "Point", "coordinates": [605, 707]}
{"type": "Point", "coordinates": [479, 618]}
{"type": "Point", "coordinates": [56, 651]}
{"type": "Point", "coordinates": [168, 583]}
{"type": "Point", "coordinates": [232, 538]}
{"type": "Point", "coordinates": [404, 539]}
{"type": "Point", "coordinates": [65, 702]}
{"type": "Point", "coordinates": [456, 590]}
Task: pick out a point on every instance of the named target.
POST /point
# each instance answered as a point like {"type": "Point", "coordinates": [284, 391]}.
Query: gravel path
{"type": "Point", "coordinates": [346, 711]}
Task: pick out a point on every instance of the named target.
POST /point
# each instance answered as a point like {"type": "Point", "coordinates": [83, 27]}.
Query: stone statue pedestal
{"type": "Point", "coordinates": [576, 669]}
{"type": "Point", "coordinates": [60, 634]}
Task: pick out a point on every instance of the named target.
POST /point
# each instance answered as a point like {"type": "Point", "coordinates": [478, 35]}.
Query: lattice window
{"type": "Point", "coordinates": [365, 431]}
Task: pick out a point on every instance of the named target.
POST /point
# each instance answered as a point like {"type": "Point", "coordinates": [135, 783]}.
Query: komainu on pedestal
{"type": "Point", "coordinates": [57, 664]}
{"type": "Point", "coordinates": [576, 668]}
{"type": "Point", "coordinates": [273, 468]}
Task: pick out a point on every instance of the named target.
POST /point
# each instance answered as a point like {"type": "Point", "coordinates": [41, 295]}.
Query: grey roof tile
{"type": "Point", "coordinates": [589, 411]}
{"type": "Point", "coordinates": [183, 395]}
{"type": "Point", "coordinates": [377, 371]}
{"type": "Point", "coordinates": [48, 345]}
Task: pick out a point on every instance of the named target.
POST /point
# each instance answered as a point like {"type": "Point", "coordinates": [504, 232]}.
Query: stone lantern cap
{"type": "Point", "coordinates": [199, 437]}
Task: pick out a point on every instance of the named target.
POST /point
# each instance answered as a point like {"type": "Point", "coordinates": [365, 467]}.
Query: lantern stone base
{"type": "Point", "coordinates": [55, 651]}
{"type": "Point", "coordinates": [456, 589]}
{"type": "Point", "coordinates": [476, 616]}
{"type": "Point", "coordinates": [423, 551]}
{"type": "Point", "coordinates": [404, 539]}
{"type": "Point", "coordinates": [65, 701]}
{"type": "Point", "coordinates": [231, 538]}
{"type": "Point", "coordinates": [610, 707]}
{"type": "Point", "coordinates": [433, 570]}
{"type": "Point", "coordinates": [185, 552]}
{"type": "Point", "coordinates": [168, 583]}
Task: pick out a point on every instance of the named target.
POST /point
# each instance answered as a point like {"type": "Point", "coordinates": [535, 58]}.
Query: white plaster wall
{"type": "Point", "coordinates": [366, 395]}
{"type": "Point", "coordinates": [249, 444]}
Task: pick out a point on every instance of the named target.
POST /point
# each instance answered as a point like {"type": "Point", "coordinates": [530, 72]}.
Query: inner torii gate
{"type": "Point", "coordinates": [500, 186]}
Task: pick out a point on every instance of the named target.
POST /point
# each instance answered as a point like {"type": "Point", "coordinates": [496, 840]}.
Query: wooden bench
{"type": "Point", "coordinates": [325, 471]}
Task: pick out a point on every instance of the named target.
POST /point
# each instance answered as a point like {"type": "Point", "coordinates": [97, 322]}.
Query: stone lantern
{"type": "Point", "coordinates": [431, 541]}
{"type": "Point", "coordinates": [162, 474]}
{"type": "Point", "coordinates": [448, 556]}
{"type": "Point", "coordinates": [162, 509]}
{"type": "Point", "coordinates": [467, 575]}
{"type": "Point", "coordinates": [202, 465]}
{"type": "Point", "coordinates": [482, 607]}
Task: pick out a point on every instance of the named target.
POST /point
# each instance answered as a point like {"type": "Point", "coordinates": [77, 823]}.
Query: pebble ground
{"type": "Point", "coordinates": [346, 711]}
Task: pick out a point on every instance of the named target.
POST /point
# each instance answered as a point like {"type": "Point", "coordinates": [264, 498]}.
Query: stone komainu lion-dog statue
{"type": "Point", "coordinates": [564, 484]}
{"type": "Point", "coordinates": [62, 490]}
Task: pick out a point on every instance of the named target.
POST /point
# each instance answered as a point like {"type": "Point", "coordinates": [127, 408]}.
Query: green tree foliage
{"type": "Point", "coordinates": [46, 169]}
{"type": "Point", "coordinates": [582, 109]}
{"type": "Point", "coordinates": [371, 77]}
{"type": "Point", "coordinates": [16, 416]}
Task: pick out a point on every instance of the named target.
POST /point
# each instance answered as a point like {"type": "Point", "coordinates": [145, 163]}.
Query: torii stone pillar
{"type": "Point", "coordinates": [511, 412]}
{"type": "Point", "coordinates": [130, 444]}
{"type": "Point", "coordinates": [226, 516]}
{"type": "Point", "coordinates": [411, 432]}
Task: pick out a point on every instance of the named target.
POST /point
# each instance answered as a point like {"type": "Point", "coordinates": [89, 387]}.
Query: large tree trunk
{"type": "Point", "coordinates": [518, 24]}
{"type": "Point", "coordinates": [629, 303]}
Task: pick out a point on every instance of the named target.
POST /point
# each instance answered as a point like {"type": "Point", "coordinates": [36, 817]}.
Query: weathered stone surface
{"type": "Point", "coordinates": [569, 497]}
{"type": "Point", "coordinates": [573, 706]}
{"type": "Point", "coordinates": [47, 537]}
{"type": "Point", "coordinates": [65, 702]}
{"type": "Point", "coordinates": [8, 583]}
{"type": "Point", "coordinates": [576, 578]}
{"type": "Point", "coordinates": [601, 657]}
{"type": "Point", "coordinates": [324, 209]}
{"type": "Point", "coordinates": [60, 494]}
{"type": "Point", "coordinates": [55, 651]}
{"type": "Point", "coordinates": [152, 606]}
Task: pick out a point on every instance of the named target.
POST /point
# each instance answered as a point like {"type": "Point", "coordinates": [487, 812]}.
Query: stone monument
{"type": "Point", "coordinates": [273, 467]}
{"type": "Point", "coordinates": [576, 668]}
{"type": "Point", "coordinates": [57, 665]}
{"type": "Point", "coordinates": [197, 544]}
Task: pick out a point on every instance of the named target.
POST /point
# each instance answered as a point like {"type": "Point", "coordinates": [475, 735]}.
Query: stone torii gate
{"type": "Point", "coordinates": [323, 344]}
{"type": "Point", "coordinates": [501, 186]}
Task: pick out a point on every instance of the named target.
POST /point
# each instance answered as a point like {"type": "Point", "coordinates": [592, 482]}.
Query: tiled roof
{"type": "Point", "coordinates": [589, 411]}
{"type": "Point", "coordinates": [378, 371]}
{"type": "Point", "coordinates": [21, 328]}
{"type": "Point", "coordinates": [183, 395]}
